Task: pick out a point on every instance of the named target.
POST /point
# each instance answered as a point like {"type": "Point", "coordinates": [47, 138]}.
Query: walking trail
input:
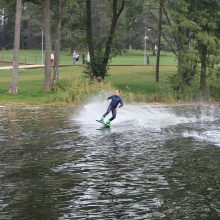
{"type": "Point", "coordinates": [22, 67]}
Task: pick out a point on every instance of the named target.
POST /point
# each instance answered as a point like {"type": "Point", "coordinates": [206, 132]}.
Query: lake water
{"type": "Point", "coordinates": [156, 162]}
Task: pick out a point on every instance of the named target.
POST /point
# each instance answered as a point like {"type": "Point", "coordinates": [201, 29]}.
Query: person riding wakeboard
{"type": "Point", "coordinates": [115, 101]}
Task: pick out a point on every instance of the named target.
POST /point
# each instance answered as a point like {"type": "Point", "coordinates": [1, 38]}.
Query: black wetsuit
{"type": "Point", "coordinates": [113, 105]}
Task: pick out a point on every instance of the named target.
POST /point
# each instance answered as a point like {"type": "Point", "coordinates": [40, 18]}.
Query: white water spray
{"type": "Point", "coordinates": [152, 118]}
{"type": "Point", "coordinates": [135, 115]}
{"type": "Point", "coordinates": [212, 136]}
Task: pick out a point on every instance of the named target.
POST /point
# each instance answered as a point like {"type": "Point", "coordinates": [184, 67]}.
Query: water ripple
{"type": "Point", "coordinates": [163, 165]}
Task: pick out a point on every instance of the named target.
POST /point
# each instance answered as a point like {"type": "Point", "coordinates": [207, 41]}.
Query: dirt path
{"type": "Point", "coordinates": [22, 67]}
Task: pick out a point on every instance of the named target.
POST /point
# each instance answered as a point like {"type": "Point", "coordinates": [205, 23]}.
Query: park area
{"type": "Point", "coordinates": [126, 73]}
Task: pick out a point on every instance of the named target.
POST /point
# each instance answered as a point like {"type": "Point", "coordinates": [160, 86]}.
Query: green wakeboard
{"type": "Point", "coordinates": [102, 122]}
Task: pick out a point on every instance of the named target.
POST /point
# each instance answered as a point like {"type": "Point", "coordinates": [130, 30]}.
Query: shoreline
{"type": "Point", "coordinates": [64, 105]}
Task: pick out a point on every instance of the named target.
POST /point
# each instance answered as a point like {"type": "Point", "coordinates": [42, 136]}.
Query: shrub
{"type": "Point", "coordinates": [79, 89]}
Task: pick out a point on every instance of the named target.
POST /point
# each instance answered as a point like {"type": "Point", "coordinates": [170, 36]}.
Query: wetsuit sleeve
{"type": "Point", "coordinates": [121, 103]}
{"type": "Point", "coordinates": [110, 97]}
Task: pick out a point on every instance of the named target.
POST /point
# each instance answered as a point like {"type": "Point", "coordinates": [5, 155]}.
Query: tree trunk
{"type": "Point", "coordinates": [94, 60]}
{"type": "Point", "coordinates": [57, 43]}
{"type": "Point", "coordinates": [180, 65]}
{"type": "Point", "coordinates": [115, 17]}
{"type": "Point", "coordinates": [172, 47]}
{"type": "Point", "coordinates": [47, 69]}
{"type": "Point", "coordinates": [108, 46]}
{"type": "Point", "coordinates": [89, 30]}
{"type": "Point", "coordinates": [14, 80]}
{"type": "Point", "coordinates": [4, 41]}
{"type": "Point", "coordinates": [153, 49]}
{"type": "Point", "coordinates": [90, 39]}
{"type": "Point", "coordinates": [203, 68]}
{"type": "Point", "coordinates": [158, 42]}
{"type": "Point", "coordinates": [182, 62]}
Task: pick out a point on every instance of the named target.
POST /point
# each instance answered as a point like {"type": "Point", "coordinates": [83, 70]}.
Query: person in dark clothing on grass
{"type": "Point", "coordinates": [115, 101]}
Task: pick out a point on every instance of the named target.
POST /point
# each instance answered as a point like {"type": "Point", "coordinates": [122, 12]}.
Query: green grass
{"type": "Point", "coordinates": [130, 57]}
{"type": "Point", "coordinates": [26, 56]}
{"type": "Point", "coordinates": [30, 86]}
{"type": "Point", "coordinates": [140, 82]}
{"type": "Point", "coordinates": [137, 57]}
{"type": "Point", "coordinates": [136, 82]}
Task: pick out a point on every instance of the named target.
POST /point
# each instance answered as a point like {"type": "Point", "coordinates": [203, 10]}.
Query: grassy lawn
{"type": "Point", "coordinates": [140, 81]}
{"type": "Point", "coordinates": [137, 57]}
{"type": "Point", "coordinates": [130, 57]}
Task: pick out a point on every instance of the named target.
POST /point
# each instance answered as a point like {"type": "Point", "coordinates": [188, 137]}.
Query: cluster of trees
{"type": "Point", "coordinates": [188, 28]}
{"type": "Point", "coordinates": [195, 26]}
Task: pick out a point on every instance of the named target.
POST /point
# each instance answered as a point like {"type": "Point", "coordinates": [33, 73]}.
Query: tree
{"type": "Point", "coordinates": [57, 42]}
{"type": "Point", "coordinates": [47, 69]}
{"type": "Point", "coordinates": [32, 18]}
{"type": "Point", "coordinates": [31, 23]}
{"type": "Point", "coordinates": [7, 23]}
{"type": "Point", "coordinates": [90, 35]}
{"type": "Point", "coordinates": [14, 80]}
{"type": "Point", "coordinates": [207, 18]}
{"type": "Point", "coordinates": [99, 61]}
{"type": "Point", "coordinates": [194, 26]}
{"type": "Point", "coordinates": [59, 8]}
{"type": "Point", "coordinates": [116, 14]}
{"type": "Point", "coordinates": [159, 40]}
{"type": "Point", "coordinates": [181, 27]}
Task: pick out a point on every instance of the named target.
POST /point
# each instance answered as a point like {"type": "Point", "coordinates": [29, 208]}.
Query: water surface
{"type": "Point", "coordinates": [157, 162]}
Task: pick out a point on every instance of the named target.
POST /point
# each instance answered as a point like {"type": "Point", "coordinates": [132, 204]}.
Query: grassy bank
{"type": "Point", "coordinates": [136, 83]}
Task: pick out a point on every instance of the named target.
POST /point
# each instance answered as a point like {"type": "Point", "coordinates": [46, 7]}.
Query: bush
{"type": "Point", "coordinates": [80, 89]}
{"type": "Point", "coordinates": [95, 70]}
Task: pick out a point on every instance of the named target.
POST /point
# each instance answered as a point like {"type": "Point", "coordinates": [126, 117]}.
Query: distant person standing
{"type": "Point", "coordinates": [74, 57]}
{"type": "Point", "coordinates": [77, 58]}
{"type": "Point", "coordinates": [83, 58]}
{"type": "Point", "coordinates": [51, 59]}
{"type": "Point", "coordinates": [88, 58]}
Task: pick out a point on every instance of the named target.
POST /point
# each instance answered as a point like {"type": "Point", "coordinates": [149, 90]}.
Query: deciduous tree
{"type": "Point", "coordinates": [57, 42]}
{"type": "Point", "coordinates": [99, 60]}
{"type": "Point", "coordinates": [47, 33]}
{"type": "Point", "coordinates": [14, 80]}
